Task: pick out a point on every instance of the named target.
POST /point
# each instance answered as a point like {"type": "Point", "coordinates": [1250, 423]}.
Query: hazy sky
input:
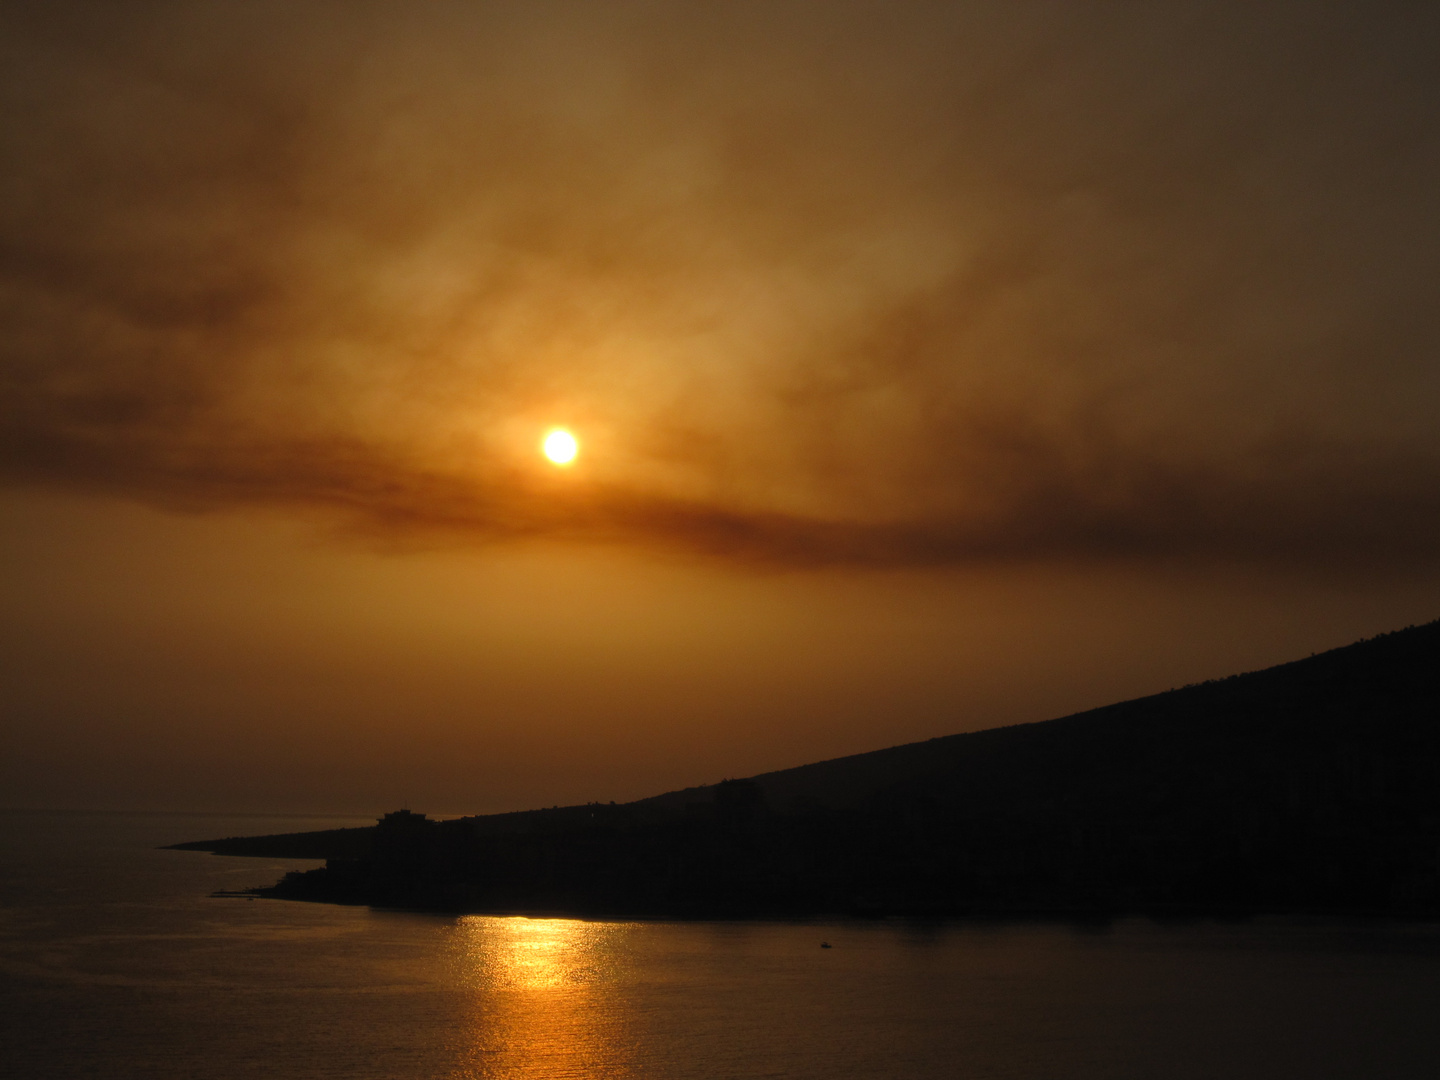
{"type": "Point", "coordinates": [935, 366]}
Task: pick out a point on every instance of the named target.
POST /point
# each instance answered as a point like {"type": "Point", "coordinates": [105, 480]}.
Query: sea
{"type": "Point", "coordinates": [116, 961]}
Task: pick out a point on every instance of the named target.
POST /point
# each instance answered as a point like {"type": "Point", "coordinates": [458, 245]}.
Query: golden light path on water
{"type": "Point", "coordinates": [547, 1004]}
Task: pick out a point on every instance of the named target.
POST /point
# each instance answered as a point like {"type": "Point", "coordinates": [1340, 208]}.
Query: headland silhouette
{"type": "Point", "coordinates": [1310, 787]}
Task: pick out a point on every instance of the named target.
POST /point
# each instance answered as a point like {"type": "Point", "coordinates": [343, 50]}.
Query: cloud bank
{"type": "Point", "coordinates": [816, 284]}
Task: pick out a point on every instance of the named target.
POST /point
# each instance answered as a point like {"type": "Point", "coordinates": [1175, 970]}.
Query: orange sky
{"type": "Point", "coordinates": [935, 366]}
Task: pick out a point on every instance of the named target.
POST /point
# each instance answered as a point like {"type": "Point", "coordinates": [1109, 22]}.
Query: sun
{"type": "Point", "coordinates": [560, 446]}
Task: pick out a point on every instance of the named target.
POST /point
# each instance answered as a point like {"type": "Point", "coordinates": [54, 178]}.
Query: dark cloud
{"type": "Point", "coordinates": [849, 283]}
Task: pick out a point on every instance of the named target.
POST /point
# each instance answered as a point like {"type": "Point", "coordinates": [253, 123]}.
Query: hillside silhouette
{"type": "Point", "coordinates": [1313, 786]}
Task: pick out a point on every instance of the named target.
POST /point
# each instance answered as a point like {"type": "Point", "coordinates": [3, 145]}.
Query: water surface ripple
{"type": "Point", "coordinates": [115, 962]}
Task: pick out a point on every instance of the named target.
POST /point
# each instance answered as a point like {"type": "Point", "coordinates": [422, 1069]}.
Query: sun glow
{"type": "Point", "coordinates": [560, 446]}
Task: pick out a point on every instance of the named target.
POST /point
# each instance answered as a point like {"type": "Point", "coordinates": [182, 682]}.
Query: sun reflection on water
{"type": "Point", "coordinates": [548, 998]}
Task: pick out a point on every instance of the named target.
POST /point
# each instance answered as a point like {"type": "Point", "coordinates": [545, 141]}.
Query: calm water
{"type": "Point", "coordinates": [115, 963]}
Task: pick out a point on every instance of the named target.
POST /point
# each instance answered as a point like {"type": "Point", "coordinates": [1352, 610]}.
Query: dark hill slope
{"type": "Point", "coordinates": [1374, 697]}
{"type": "Point", "coordinates": [1311, 786]}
